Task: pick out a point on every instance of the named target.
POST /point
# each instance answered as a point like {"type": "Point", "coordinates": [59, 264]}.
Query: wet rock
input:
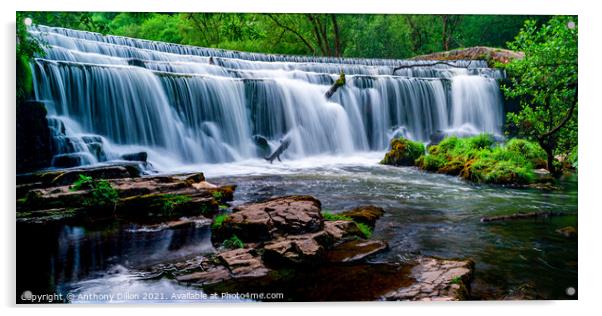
{"type": "Point", "coordinates": [338, 230]}
{"type": "Point", "coordinates": [213, 275]}
{"type": "Point", "coordinates": [167, 206]}
{"type": "Point", "coordinates": [306, 249]}
{"type": "Point", "coordinates": [437, 280]}
{"type": "Point", "coordinates": [543, 176]}
{"type": "Point", "coordinates": [272, 218]}
{"type": "Point", "coordinates": [33, 146]}
{"type": "Point", "coordinates": [355, 250]}
{"type": "Point", "coordinates": [139, 156]}
{"type": "Point", "coordinates": [365, 214]}
{"type": "Point", "coordinates": [195, 178]}
{"type": "Point", "coordinates": [242, 263]}
{"type": "Point", "coordinates": [568, 231]}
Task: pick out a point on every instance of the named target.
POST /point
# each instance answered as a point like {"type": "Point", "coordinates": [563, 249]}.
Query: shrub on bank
{"type": "Point", "coordinates": [480, 159]}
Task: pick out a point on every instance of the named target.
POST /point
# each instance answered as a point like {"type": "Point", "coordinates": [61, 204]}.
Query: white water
{"type": "Point", "coordinates": [187, 106]}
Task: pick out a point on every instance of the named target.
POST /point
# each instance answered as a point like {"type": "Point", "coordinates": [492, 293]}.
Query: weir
{"type": "Point", "coordinates": [109, 95]}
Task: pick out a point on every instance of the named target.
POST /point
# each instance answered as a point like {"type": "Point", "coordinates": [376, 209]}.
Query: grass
{"type": "Point", "coordinates": [403, 152]}
{"type": "Point", "coordinates": [217, 195]}
{"type": "Point", "coordinates": [233, 243]}
{"type": "Point", "coordinates": [172, 200]}
{"type": "Point", "coordinates": [365, 229]}
{"type": "Point", "coordinates": [480, 159]}
{"type": "Point", "coordinates": [218, 220]}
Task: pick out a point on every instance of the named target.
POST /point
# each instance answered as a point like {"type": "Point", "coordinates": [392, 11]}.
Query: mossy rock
{"type": "Point", "coordinates": [404, 152]}
{"type": "Point", "coordinates": [166, 206]}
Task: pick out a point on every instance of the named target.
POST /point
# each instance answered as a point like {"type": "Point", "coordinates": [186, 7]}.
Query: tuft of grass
{"type": "Point", "coordinates": [233, 243]}
{"type": "Point", "coordinates": [218, 195]}
{"type": "Point", "coordinates": [172, 200]}
{"type": "Point", "coordinates": [218, 221]}
{"type": "Point", "coordinates": [335, 217]}
{"type": "Point", "coordinates": [365, 229]}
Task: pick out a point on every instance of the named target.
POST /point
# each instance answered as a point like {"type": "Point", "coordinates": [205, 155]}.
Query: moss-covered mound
{"type": "Point", "coordinates": [403, 152]}
{"type": "Point", "coordinates": [480, 159]}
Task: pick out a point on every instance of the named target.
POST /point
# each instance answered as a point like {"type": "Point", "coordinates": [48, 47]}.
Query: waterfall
{"type": "Point", "coordinates": [109, 95]}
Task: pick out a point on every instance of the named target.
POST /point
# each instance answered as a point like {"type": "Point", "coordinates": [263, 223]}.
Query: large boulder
{"type": "Point", "coordinates": [306, 249]}
{"type": "Point", "coordinates": [289, 215]}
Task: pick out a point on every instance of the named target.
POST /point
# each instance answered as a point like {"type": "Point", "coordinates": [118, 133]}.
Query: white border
{"type": "Point", "coordinates": [589, 139]}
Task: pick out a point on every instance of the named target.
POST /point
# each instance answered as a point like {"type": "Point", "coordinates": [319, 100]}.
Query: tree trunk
{"type": "Point", "coordinates": [550, 156]}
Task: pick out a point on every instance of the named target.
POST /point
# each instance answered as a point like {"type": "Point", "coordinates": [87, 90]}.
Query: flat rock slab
{"type": "Point", "coordinates": [365, 214]}
{"type": "Point", "coordinates": [289, 215]}
{"type": "Point", "coordinates": [304, 249]}
{"type": "Point", "coordinates": [355, 250]}
{"type": "Point", "coordinates": [437, 280]}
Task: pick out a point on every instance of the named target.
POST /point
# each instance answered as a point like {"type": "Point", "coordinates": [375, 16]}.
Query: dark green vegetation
{"type": "Point", "coordinates": [233, 243]}
{"type": "Point", "coordinates": [479, 159]}
{"type": "Point", "coordinates": [219, 220]}
{"type": "Point", "coordinates": [545, 84]}
{"type": "Point", "coordinates": [403, 152]}
{"type": "Point", "coordinates": [102, 194]}
{"type": "Point", "coordinates": [346, 35]}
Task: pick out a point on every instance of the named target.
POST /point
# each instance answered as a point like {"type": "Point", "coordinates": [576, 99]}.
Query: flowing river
{"type": "Point", "coordinates": [426, 214]}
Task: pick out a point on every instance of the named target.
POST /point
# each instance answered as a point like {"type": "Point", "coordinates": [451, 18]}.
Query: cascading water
{"type": "Point", "coordinates": [111, 95]}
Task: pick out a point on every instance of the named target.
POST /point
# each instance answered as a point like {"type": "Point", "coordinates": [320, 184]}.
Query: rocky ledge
{"type": "Point", "coordinates": [285, 244]}
{"type": "Point", "coordinates": [115, 191]}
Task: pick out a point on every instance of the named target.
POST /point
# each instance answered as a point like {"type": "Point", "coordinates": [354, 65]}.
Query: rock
{"type": "Point", "coordinates": [307, 249]}
{"type": "Point", "coordinates": [214, 275]}
{"type": "Point", "coordinates": [167, 206]}
{"type": "Point", "coordinates": [568, 231]}
{"type": "Point", "coordinates": [242, 263]}
{"type": "Point", "coordinates": [195, 178]}
{"type": "Point", "coordinates": [139, 156]}
{"type": "Point", "coordinates": [403, 152]}
{"type": "Point", "coordinates": [355, 250]}
{"type": "Point", "coordinates": [272, 218]}
{"type": "Point", "coordinates": [437, 280]}
{"type": "Point", "coordinates": [543, 214]}
{"type": "Point", "coordinates": [34, 141]}
{"type": "Point", "coordinates": [338, 230]}
{"type": "Point", "coordinates": [543, 176]}
{"type": "Point", "coordinates": [365, 214]}
{"type": "Point", "coordinates": [474, 53]}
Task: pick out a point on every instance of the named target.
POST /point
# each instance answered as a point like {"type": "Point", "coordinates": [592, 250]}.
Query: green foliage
{"type": "Point", "coordinates": [102, 194]}
{"type": "Point", "coordinates": [233, 243]}
{"type": "Point", "coordinates": [27, 48]}
{"type": "Point", "coordinates": [456, 280]}
{"type": "Point", "coordinates": [573, 158]}
{"type": "Point", "coordinates": [403, 152]}
{"type": "Point", "coordinates": [218, 220]}
{"type": "Point", "coordinates": [366, 35]}
{"type": "Point", "coordinates": [365, 229]}
{"type": "Point", "coordinates": [545, 84]}
{"type": "Point", "coordinates": [479, 159]}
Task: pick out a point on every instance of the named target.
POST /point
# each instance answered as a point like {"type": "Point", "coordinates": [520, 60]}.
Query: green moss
{"type": "Point", "coordinates": [218, 221]}
{"type": "Point", "coordinates": [233, 243]}
{"type": "Point", "coordinates": [404, 152]}
{"type": "Point", "coordinates": [218, 195]}
{"type": "Point", "coordinates": [456, 280]}
{"type": "Point", "coordinates": [102, 193]}
{"type": "Point", "coordinates": [479, 159]}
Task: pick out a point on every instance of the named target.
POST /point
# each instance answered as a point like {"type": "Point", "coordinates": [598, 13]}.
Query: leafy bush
{"type": "Point", "coordinates": [233, 243]}
{"type": "Point", "coordinates": [403, 152]}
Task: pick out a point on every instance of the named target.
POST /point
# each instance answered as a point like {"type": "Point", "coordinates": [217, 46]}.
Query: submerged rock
{"type": "Point", "coordinates": [355, 250]}
{"type": "Point", "coordinates": [568, 231]}
{"type": "Point", "coordinates": [437, 280]}
{"type": "Point", "coordinates": [365, 214]}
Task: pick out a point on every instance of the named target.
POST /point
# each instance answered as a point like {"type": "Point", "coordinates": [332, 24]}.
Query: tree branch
{"type": "Point", "coordinates": [311, 48]}
{"type": "Point", "coordinates": [566, 118]}
{"type": "Point", "coordinates": [429, 65]}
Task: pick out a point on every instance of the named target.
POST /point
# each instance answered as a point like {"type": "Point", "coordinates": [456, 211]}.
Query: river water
{"type": "Point", "coordinates": [425, 214]}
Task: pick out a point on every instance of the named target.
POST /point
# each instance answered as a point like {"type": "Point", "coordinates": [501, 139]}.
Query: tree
{"type": "Point", "coordinates": [27, 48]}
{"type": "Point", "coordinates": [545, 84]}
